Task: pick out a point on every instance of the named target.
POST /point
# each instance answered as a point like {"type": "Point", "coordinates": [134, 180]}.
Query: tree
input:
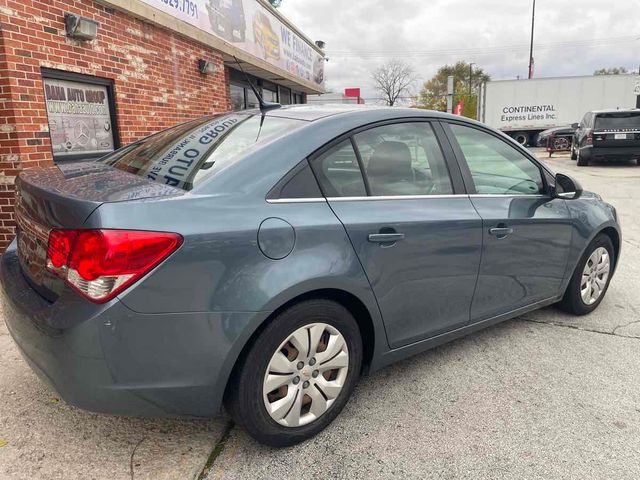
{"type": "Point", "coordinates": [275, 3]}
{"type": "Point", "coordinates": [611, 71]}
{"type": "Point", "coordinates": [466, 82]}
{"type": "Point", "coordinates": [393, 80]}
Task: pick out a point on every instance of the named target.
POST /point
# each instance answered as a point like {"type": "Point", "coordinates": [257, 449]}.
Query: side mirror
{"type": "Point", "coordinates": [566, 187]}
{"type": "Point", "coordinates": [575, 126]}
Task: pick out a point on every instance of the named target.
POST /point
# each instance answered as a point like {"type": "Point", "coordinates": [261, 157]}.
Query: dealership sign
{"type": "Point", "coordinates": [79, 118]}
{"type": "Point", "coordinates": [253, 28]}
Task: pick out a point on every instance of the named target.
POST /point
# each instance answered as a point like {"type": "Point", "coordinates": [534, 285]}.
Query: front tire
{"type": "Point", "coordinates": [298, 374]}
{"type": "Point", "coordinates": [591, 277]}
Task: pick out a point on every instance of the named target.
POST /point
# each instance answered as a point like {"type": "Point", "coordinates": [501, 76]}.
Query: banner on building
{"type": "Point", "coordinates": [79, 118]}
{"type": "Point", "coordinates": [251, 27]}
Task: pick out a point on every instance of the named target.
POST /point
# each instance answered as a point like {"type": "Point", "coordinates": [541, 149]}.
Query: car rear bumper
{"type": "Point", "coordinates": [114, 360]}
{"type": "Point", "coordinates": [610, 153]}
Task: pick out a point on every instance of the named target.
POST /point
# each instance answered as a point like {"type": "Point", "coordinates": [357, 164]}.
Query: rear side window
{"type": "Point", "coordinates": [496, 167]}
{"type": "Point", "coordinates": [338, 172]}
{"type": "Point", "coordinates": [185, 155]}
{"type": "Point", "coordinates": [403, 159]}
{"type": "Point", "coordinates": [618, 121]}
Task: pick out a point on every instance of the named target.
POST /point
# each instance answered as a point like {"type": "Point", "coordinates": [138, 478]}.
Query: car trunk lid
{"type": "Point", "coordinates": [63, 197]}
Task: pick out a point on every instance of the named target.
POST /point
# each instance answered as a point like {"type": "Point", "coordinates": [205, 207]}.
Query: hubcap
{"type": "Point", "coordinates": [595, 276]}
{"type": "Point", "coordinates": [305, 375]}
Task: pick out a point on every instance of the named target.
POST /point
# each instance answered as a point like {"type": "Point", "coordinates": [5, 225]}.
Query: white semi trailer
{"type": "Point", "coordinates": [524, 108]}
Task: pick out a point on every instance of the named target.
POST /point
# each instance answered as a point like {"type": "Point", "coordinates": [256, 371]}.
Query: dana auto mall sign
{"type": "Point", "coordinates": [253, 28]}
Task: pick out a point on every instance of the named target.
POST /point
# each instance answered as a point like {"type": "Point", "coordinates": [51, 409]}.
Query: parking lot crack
{"type": "Point", "coordinates": [133, 452]}
{"type": "Point", "coordinates": [582, 329]}
{"type": "Point", "coordinates": [624, 326]}
{"type": "Point", "coordinates": [217, 450]}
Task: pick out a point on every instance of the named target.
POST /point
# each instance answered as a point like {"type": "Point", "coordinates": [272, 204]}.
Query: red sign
{"type": "Point", "coordinates": [457, 110]}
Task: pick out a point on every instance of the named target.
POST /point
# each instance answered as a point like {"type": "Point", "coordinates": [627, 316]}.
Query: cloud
{"type": "Point", "coordinates": [572, 37]}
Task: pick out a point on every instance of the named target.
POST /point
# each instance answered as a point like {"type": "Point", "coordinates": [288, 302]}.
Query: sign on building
{"type": "Point", "coordinates": [80, 118]}
{"type": "Point", "coordinates": [251, 27]}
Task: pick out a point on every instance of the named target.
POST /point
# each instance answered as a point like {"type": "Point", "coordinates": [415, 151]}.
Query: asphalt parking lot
{"type": "Point", "coordinates": [545, 395]}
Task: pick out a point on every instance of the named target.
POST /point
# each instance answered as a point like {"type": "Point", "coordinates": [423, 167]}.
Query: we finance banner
{"type": "Point", "coordinates": [253, 28]}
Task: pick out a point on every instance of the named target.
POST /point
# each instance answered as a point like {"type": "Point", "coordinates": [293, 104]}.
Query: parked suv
{"type": "Point", "coordinates": [607, 135]}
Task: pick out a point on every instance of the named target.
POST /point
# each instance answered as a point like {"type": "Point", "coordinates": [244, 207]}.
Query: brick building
{"type": "Point", "coordinates": [80, 78]}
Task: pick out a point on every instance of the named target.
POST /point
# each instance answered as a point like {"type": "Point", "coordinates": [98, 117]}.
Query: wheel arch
{"type": "Point", "coordinates": [351, 302]}
{"type": "Point", "coordinates": [614, 235]}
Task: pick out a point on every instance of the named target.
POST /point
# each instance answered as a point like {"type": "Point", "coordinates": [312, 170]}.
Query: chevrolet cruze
{"type": "Point", "coordinates": [265, 260]}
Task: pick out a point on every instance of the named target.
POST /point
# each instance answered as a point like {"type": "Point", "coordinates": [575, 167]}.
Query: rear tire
{"type": "Point", "coordinates": [573, 300]}
{"type": "Point", "coordinates": [248, 400]}
{"type": "Point", "coordinates": [582, 162]}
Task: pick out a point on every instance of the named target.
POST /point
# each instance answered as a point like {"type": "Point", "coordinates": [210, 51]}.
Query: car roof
{"type": "Point", "coordinates": [312, 113]}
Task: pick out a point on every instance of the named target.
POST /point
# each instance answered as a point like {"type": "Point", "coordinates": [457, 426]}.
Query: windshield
{"type": "Point", "coordinates": [618, 121]}
{"type": "Point", "coordinates": [185, 155]}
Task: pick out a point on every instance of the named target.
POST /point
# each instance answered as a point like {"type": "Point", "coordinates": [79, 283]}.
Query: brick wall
{"type": "Point", "coordinates": [157, 82]}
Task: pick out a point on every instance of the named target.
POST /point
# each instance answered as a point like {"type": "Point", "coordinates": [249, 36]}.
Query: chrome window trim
{"type": "Point", "coordinates": [297, 200]}
{"type": "Point", "coordinates": [402, 197]}
{"type": "Point", "coordinates": [374, 198]}
{"type": "Point", "coordinates": [511, 195]}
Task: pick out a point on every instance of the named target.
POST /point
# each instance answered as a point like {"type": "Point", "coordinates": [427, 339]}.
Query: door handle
{"type": "Point", "coordinates": [386, 237]}
{"type": "Point", "coordinates": [501, 231]}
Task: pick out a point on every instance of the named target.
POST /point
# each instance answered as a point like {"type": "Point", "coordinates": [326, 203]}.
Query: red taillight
{"type": "Point", "coordinates": [589, 140]}
{"type": "Point", "coordinates": [102, 263]}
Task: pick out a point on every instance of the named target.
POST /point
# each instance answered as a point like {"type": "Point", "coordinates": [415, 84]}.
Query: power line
{"type": "Point", "coordinates": [481, 51]}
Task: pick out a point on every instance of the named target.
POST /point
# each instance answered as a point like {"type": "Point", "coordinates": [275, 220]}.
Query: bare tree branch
{"type": "Point", "coordinates": [393, 79]}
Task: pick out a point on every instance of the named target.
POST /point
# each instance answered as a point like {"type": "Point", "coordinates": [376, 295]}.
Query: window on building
{"type": "Point", "coordinates": [252, 100]}
{"type": "Point", "coordinates": [237, 97]}
{"type": "Point", "coordinates": [269, 95]}
{"type": "Point", "coordinates": [285, 96]}
{"type": "Point", "coordinates": [81, 114]}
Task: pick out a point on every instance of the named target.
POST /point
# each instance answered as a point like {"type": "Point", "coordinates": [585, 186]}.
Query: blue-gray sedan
{"type": "Point", "coordinates": [265, 261]}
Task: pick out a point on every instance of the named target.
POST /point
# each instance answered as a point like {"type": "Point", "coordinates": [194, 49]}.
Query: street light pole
{"type": "Point", "coordinates": [533, 25]}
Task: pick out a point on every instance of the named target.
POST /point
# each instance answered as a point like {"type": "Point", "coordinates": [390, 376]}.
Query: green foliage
{"type": "Point", "coordinates": [275, 3]}
{"type": "Point", "coordinates": [433, 95]}
{"type": "Point", "coordinates": [611, 71]}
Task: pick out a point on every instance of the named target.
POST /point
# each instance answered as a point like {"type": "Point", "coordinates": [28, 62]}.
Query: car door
{"type": "Point", "coordinates": [411, 224]}
{"type": "Point", "coordinates": [526, 232]}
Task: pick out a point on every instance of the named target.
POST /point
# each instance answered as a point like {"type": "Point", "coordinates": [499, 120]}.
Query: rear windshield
{"type": "Point", "coordinates": [184, 155]}
{"type": "Point", "coordinates": [616, 121]}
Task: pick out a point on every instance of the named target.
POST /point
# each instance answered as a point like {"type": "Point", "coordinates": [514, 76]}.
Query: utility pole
{"type": "Point", "coordinates": [533, 25]}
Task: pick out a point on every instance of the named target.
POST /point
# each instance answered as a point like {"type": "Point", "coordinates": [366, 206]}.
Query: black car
{"type": "Point", "coordinates": [557, 139]}
{"type": "Point", "coordinates": [607, 135]}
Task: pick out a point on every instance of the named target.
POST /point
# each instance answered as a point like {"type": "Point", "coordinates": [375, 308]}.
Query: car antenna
{"type": "Point", "coordinates": [264, 106]}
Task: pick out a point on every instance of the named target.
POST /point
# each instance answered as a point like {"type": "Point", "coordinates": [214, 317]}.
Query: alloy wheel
{"type": "Point", "coordinates": [595, 275]}
{"type": "Point", "coordinates": [305, 375]}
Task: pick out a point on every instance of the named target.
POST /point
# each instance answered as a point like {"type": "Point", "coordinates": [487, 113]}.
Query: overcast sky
{"type": "Point", "coordinates": [573, 37]}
